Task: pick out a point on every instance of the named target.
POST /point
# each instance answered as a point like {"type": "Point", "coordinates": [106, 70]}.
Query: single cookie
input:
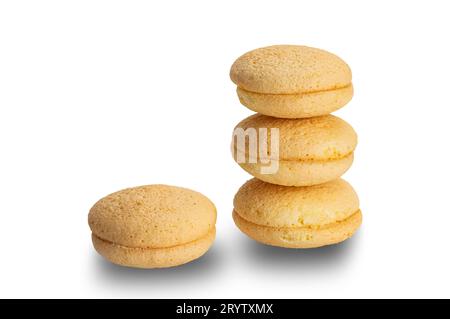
{"type": "Point", "coordinates": [297, 217]}
{"type": "Point", "coordinates": [292, 81]}
{"type": "Point", "coordinates": [153, 226]}
{"type": "Point", "coordinates": [310, 151]}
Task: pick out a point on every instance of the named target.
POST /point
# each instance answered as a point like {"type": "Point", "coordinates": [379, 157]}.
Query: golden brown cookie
{"type": "Point", "coordinates": [153, 226]}
{"type": "Point", "coordinates": [311, 151]}
{"type": "Point", "coordinates": [292, 81]}
{"type": "Point", "coordinates": [297, 217]}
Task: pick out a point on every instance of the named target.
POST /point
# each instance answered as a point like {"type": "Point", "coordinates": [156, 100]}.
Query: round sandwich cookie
{"type": "Point", "coordinates": [292, 81]}
{"type": "Point", "coordinates": [153, 226]}
{"type": "Point", "coordinates": [297, 217]}
{"type": "Point", "coordinates": [297, 152]}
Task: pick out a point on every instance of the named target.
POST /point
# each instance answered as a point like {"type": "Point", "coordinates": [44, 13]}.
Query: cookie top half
{"type": "Point", "coordinates": [290, 69]}
{"type": "Point", "coordinates": [286, 206]}
{"type": "Point", "coordinates": [318, 138]}
{"type": "Point", "coordinates": [152, 216]}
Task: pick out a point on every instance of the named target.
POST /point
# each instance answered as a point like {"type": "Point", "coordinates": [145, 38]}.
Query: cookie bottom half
{"type": "Point", "coordinates": [153, 257]}
{"type": "Point", "coordinates": [300, 173]}
{"type": "Point", "coordinates": [300, 237]}
{"type": "Point", "coordinates": [301, 105]}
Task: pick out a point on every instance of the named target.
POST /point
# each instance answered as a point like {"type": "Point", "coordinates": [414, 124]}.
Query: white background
{"type": "Point", "coordinates": [96, 96]}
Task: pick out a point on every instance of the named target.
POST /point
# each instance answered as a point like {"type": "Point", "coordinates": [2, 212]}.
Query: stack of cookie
{"type": "Point", "coordinates": [294, 148]}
